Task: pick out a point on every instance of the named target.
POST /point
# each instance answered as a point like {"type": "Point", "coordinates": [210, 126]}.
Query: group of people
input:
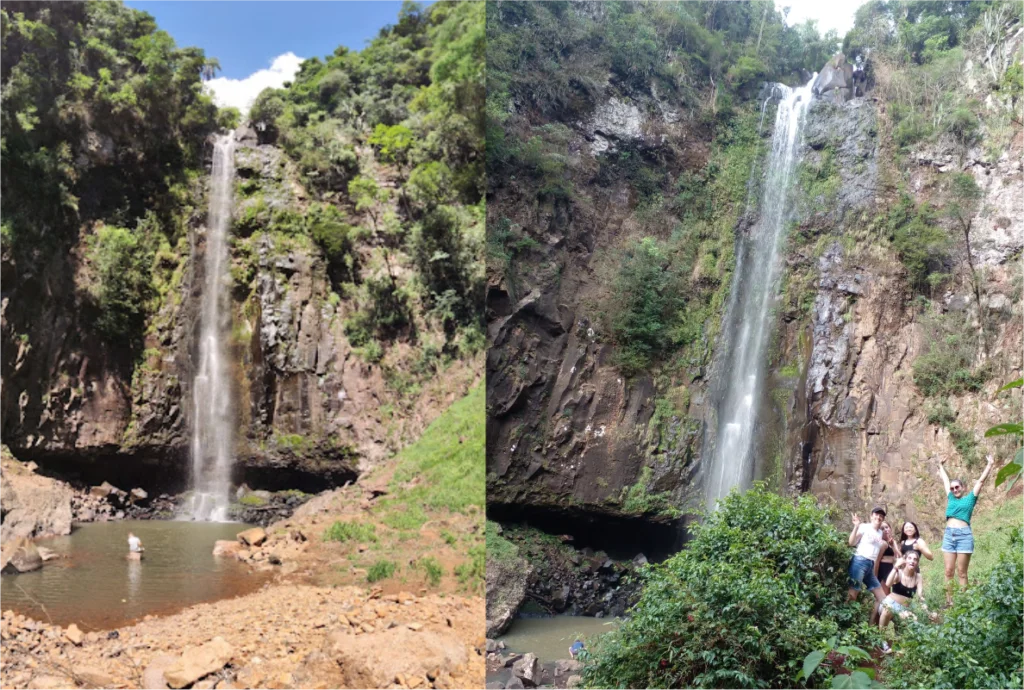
{"type": "Point", "coordinates": [890, 568]}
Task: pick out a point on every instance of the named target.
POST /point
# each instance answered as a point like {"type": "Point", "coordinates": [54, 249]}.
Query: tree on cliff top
{"type": "Point", "coordinates": [761, 584]}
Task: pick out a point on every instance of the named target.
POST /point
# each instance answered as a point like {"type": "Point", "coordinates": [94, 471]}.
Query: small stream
{"type": "Point", "coordinates": [95, 586]}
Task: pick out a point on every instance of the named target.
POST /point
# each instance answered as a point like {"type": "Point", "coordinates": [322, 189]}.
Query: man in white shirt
{"type": "Point", "coordinates": [869, 540]}
{"type": "Point", "coordinates": [134, 543]}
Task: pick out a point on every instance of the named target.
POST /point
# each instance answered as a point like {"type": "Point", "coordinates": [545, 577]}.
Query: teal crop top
{"type": "Point", "coordinates": [961, 508]}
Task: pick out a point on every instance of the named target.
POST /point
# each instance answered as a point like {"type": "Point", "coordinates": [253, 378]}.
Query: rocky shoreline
{"type": "Point", "coordinates": [514, 671]}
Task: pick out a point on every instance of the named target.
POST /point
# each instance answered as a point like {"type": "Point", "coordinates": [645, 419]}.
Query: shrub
{"type": "Point", "coordinates": [646, 301]}
{"type": "Point", "coordinates": [351, 531]}
{"type": "Point", "coordinates": [252, 500]}
{"type": "Point", "coordinates": [946, 366]}
{"type": "Point", "coordinates": [381, 570]}
{"type": "Point", "coordinates": [123, 267]}
{"type": "Point", "coordinates": [228, 118]}
{"type": "Point", "coordinates": [432, 569]}
{"type": "Point", "coordinates": [979, 642]}
{"type": "Point", "coordinates": [762, 583]}
{"type": "Point", "coordinates": [923, 246]}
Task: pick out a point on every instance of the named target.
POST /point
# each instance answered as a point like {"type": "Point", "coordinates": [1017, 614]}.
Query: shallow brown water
{"type": "Point", "coordinates": [96, 586]}
{"type": "Point", "coordinates": [550, 638]}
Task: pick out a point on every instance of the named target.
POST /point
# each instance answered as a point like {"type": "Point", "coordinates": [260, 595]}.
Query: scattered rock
{"type": "Point", "coordinates": [92, 677]}
{"type": "Point", "coordinates": [527, 669]}
{"type": "Point", "coordinates": [567, 667]}
{"type": "Point", "coordinates": [574, 681]}
{"type": "Point", "coordinates": [253, 537]}
{"type": "Point", "coordinates": [197, 662]}
{"type": "Point", "coordinates": [50, 682]}
{"type": "Point", "coordinates": [74, 634]}
{"type": "Point", "coordinates": [374, 660]}
{"type": "Point", "coordinates": [24, 557]}
{"type": "Point", "coordinates": [515, 682]}
{"type": "Point", "coordinates": [226, 547]}
{"type": "Point", "coordinates": [153, 676]}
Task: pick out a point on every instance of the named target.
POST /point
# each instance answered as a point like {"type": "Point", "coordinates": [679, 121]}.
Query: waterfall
{"type": "Point", "coordinates": [212, 411]}
{"type": "Point", "coordinates": [748, 317]}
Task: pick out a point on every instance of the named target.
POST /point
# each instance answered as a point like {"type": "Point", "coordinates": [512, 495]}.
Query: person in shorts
{"type": "Point", "coordinates": [958, 540]}
{"type": "Point", "coordinates": [869, 540]}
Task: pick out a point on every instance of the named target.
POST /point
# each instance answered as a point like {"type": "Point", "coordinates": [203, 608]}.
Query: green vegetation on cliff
{"type": "Point", "coordinates": [392, 136]}
{"type": "Point", "coordinates": [103, 124]}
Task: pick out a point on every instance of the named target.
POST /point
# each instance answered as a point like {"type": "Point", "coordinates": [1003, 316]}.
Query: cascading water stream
{"type": "Point", "coordinates": [747, 322]}
{"type": "Point", "coordinates": [212, 415]}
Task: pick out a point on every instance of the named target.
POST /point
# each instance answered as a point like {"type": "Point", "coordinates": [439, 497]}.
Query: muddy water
{"type": "Point", "coordinates": [95, 586]}
{"type": "Point", "coordinates": [550, 638]}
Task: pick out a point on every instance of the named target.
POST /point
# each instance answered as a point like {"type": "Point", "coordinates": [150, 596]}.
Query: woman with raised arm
{"type": "Point", "coordinates": [958, 540]}
{"type": "Point", "coordinates": [905, 582]}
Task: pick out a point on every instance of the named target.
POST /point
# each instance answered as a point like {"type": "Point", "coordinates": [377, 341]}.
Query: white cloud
{"type": "Point", "coordinates": [240, 93]}
{"type": "Point", "coordinates": [829, 15]}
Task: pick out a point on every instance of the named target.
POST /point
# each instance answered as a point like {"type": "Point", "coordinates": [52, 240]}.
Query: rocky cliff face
{"type": "Point", "coordinates": [311, 413]}
{"type": "Point", "coordinates": [569, 435]}
{"type": "Point", "coordinates": [574, 444]}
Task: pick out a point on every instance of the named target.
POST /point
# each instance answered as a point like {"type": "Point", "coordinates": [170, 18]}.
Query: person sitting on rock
{"type": "Point", "coordinates": [134, 544]}
{"type": "Point", "coordinates": [576, 648]}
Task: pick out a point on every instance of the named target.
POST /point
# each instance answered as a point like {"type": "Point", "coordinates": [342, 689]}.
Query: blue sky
{"type": "Point", "coordinates": [261, 44]}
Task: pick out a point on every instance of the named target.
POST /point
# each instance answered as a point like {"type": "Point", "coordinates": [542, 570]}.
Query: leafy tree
{"type": "Point", "coordinates": [762, 582]}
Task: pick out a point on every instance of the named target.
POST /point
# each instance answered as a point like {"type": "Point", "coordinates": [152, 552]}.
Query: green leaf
{"type": "Point", "coordinates": [1012, 384]}
{"type": "Point", "coordinates": [1007, 472]}
{"type": "Point", "coordinates": [1013, 480]}
{"type": "Point", "coordinates": [1004, 429]}
{"type": "Point", "coordinates": [811, 662]}
{"type": "Point", "coordinates": [857, 679]}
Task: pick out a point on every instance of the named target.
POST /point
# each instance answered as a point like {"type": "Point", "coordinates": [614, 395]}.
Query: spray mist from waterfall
{"type": "Point", "coordinates": [748, 319]}
{"type": "Point", "coordinates": [213, 413]}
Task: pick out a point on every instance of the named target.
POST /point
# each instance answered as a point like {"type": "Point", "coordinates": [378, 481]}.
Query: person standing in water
{"type": "Point", "coordinates": [134, 544]}
{"type": "Point", "coordinates": [958, 540]}
{"type": "Point", "coordinates": [869, 540]}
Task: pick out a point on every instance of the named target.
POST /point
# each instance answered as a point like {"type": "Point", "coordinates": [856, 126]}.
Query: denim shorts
{"type": "Point", "coordinates": [863, 571]}
{"type": "Point", "coordinates": [893, 605]}
{"type": "Point", "coordinates": [958, 540]}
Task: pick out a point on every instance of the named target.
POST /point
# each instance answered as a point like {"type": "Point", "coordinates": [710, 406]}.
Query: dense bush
{"type": "Point", "coordinates": [980, 641]}
{"type": "Point", "coordinates": [645, 305]}
{"type": "Point", "coordinates": [101, 116]}
{"type": "Point", "coordinates": [122, 266]}
{"type": "Point", "coordinates": [921, 243]}
{"type": "Point", "coordinates": [762, 582]}
{"type": "Point", "coordinates": [947, 364]}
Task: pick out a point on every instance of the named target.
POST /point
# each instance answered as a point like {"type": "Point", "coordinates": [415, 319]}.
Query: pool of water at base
{"type": "Point", "coordinates": [95, 585]}
{"type": "Point", "coordinates": [550, 638]}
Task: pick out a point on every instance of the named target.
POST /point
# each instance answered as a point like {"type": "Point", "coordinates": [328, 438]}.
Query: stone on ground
{"type": "Point", "coordinates": [374, 660]}
{"type": "Point", "coordinates": [153, 676]}
{"type": "Point", "coordinates": [92, 677]}
{"type": "Point", "coordinates": [74, 634]}
{"type": "Point", "coordinates": [527, 669]}
{"type": "Point", "coordinates": [197, 662]}
{"type": "Point", "coordinates": [226, 547]}
{"type": "Point", "coordinates": [253, 537]}
{"type": "Point", "coordinates": [50, 682]}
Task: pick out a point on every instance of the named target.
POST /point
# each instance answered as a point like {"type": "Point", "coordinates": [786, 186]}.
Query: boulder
{"type": "Point", "coordinates": [507, 580]}
{"type": "Point", "coordinates": [24, 557]}
{"type": "Point", "coordinates": [103, 490]}
{"type": "Point", "coordinates": [567, 667]}
{"type": "Point", "coordinates": [74, 634]}
{"type": "Point", "coordinates": [515, 684]}
{"type": "Point", "coordinates": [34, 505]}
{"type": "Point", "coordinates": [50, 682]}
{"type": "Point", "coordinates": [47, 554]}
{"type": "Point", "coordinates": [138, 495]}
{"type": "Point", "coordinates": [92, 677]}
{"type": "Point", "coordinates": [226, 547]}
{"type": "Point", "coordinates": [574, 681]}
{"type": "Point", "coordinates": [153, 676]}
{"type": "Point", "coordinates": [639, 559]}
{"type": "Point", "coordinates": [370, 660]}
{"type": "Point", "coordinates": [527, 669]}
{"type": "Point", "coordinates": [196, 662]}
{"type": "Point", "coordinates": [252, 537]}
